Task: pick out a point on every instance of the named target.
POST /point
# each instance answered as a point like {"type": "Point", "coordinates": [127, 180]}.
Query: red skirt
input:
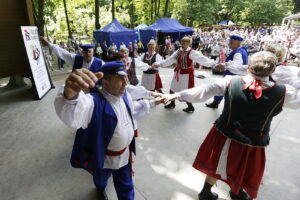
{"type": "Point", "coordinates": [245, 164]}
{"type": "Point", "coordinates": [158, 83]}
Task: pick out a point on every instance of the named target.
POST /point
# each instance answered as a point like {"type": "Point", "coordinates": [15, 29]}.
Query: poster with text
{"type": "Point", "coordinates": [36, 59]}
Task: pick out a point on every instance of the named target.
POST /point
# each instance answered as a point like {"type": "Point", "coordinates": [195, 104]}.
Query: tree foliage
{"type": "Point", "coordinates": [81, 13]}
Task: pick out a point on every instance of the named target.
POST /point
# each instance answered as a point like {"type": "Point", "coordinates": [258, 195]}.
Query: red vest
{"type": "Point", "coordinates": [183, 59]}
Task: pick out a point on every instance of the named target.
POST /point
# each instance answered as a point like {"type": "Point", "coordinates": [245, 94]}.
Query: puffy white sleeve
{"type": "Point", "coordinates": [236, 65]}
{"type": "Point", "coordinates": [141, 65]}
{"type": "Point", "coordinates": [199, 58]}
{"type": "Point", "coordinates": [138, 92]}
{"type": "Point", "coordinates": [140, 108]}
{"type": "Point", "coordinates": [141, 57]}
{"type": "Point", "coordinates": [169, 61]}
{"type": "Point", "coordinates": [158, 58]}
{"type": "Point", "coordinates": [75, 113]}
{"type": "Point", "coordinates": [204, 92]}
{"type": "Point", "coordinates": [292, 97]}
{"type": "Point", "coordinates": [284, 75]}
{"type": "Point", "coordinates": [68, 57]}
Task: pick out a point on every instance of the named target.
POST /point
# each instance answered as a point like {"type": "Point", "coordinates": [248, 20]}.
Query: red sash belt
{"type": "Point", "coordinates": [115, 153]}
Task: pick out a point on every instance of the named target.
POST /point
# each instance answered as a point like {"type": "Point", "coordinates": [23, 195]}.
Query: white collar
{"type": "Point", "coordinates": [109, 96]}
{"type": "Point", "coordinates": [92, 60]}
{"type": "Point", "coordinates": [189, 48]}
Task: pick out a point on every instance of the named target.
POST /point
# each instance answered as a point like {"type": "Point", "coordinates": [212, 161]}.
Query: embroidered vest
{"type": "Point", "coordinates": [183, 59]}
{"type": "Point", "coordinates": [246, 119]}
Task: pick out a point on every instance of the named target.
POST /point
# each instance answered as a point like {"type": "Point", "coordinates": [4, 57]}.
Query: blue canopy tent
{"type": "Point", "coordinates": [138, 28]}
{"type": "Point", "coordinates": [115, 32]}
{"type": "Point", "coordinates": [168, 26]}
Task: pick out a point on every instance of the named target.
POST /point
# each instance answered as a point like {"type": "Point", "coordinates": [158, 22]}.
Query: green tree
{"type": "Point", "coordinates": [97, 7]}
{"type": "Point", "coordinates": [296, 4]}
{"type": "Point", "coordinates": [260, 12]}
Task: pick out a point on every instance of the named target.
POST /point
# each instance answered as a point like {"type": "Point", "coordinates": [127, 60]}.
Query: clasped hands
{"type": "Point", "coordinates": [220, 67]}
{"type": "Point", "coordinates": [82, 79]}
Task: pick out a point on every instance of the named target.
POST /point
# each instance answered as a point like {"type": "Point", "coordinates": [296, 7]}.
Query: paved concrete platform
{"type": "Point", "coordinates": [35, 148]}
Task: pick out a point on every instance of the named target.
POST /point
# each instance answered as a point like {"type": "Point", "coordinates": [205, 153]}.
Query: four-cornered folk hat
{"type": "Point", "coordinates": [236, 37]}
{"type": "Point", "coordinates": [114, 67]}
{"type": "Point", "coordinates": [87, 47]}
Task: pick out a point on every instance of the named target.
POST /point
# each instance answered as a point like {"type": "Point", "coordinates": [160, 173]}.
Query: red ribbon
{"type": "Point", "coordinates": [255, 86]}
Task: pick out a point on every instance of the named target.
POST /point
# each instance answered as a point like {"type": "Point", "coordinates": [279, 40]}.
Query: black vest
{"type": "Point", "coordinates": [247, 120]}
{"type": "Point", "coordinates": [150, 62]}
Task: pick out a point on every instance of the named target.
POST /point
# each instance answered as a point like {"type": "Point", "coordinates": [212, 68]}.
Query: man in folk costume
{"type": "Point", "coordinates": [104, 141]}
{"type": "Point", "coordinates": [86, 60]}
{"type": "Point", "coordinates": [234, 149]}
{"type": "Point", "coordinates": [184, 72]}
{"type": "Point", "coordinates": [236, 64]}
{"type": "Point", "coordinates": [151, 79]}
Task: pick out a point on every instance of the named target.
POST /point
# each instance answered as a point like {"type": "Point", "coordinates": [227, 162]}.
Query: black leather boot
{"type": "Point", "coordinates": [241, 196]}
{"type": "Point", "coordinates": [102, 195]}
{"type": "Point", "coordinates": [214, 104]}
{"type": "Point", "coordinates": [171, 105]}
{"type": "Point", "coordinates": [189, 109]}
{"type": "Point", "coordinates": [206, 193]}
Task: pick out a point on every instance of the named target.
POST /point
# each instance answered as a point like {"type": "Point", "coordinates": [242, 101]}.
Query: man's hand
{"type": "Point", "coordinates": [156, 94]}
{"type": "Point", "coordinates": [79, 80]}
{"type": "Point", "coordinates": [169, 97]}
{"type": "Point", "coordinates": [220, 67]}
{"type": "Point", "coordinates": [159, 100]}
{"type": "Point", "coordinates": [44, 41]}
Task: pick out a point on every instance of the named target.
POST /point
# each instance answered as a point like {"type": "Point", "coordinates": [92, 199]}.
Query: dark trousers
{"type": "Point", "coordinates": [122, 181]}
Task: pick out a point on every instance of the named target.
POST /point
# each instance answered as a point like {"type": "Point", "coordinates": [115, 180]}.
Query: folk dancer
{"type": "Point", "coordinates": [236, 64]}
{"type": "Point", "coordinates": [184, 72]}
{"type": "Point", "coordinates": [238, 138]}
{"type": "Point", "coordinates": [86, 60]}
{"type": "Point", "coordinates": [104, 141]}
{"type": "Point", "coordinates": [151, 79]}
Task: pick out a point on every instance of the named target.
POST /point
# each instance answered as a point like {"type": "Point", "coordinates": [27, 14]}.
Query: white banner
{"type": "Point", "coordinates": [36, 59]}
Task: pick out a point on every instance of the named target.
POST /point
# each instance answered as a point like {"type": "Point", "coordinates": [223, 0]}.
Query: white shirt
{"type": "Point", "coordinates": [236, 66]}
{"type": "Point", "coordinates": [77, 114]}
{"type": "Point", "coordinates": [284, 75]}
{"type": "Point", "coordinates": [140, 58]}
{"type": "Point", "coordinates": [195, 56]}
{"type": "Point", "coordinates": [218, 88]}
{"type": "Point", "coordinates": [68, 57]}
{"type": "Point", "coordinates": [139, 64]}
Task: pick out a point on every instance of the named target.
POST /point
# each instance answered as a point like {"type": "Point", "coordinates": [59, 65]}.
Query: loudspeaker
{"type": "Point", "coordinates": [161, 38]}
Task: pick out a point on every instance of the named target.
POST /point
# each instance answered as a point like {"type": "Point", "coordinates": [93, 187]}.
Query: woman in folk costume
{"type": "Point", "coordinates": [283, 74]}
{"type": "Point", "coordinates": [234, 149]}
{"type": "Point", "coordinates": [151, 79]}
{"type": "Point", "coordinates": [184, 72]}
{"type": "Point", "coordinates": [131, 65]}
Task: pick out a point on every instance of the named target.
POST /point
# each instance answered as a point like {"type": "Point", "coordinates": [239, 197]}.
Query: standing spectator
{"type": "Point", "coordinates": [98, 51]}
{"type": "Point", "coordinates": [61, 62]}
{"type": "Point", "coordinates": [140, 47]}
{"type": "Point", "coordinates": [122, 46]}
{"type": "Point", "coordinates": [113, 48]}
{"type": "Point", "coordinates": [131, 50]}
{"type": "Point", "coordinates": [215, 51]}
{"type": "Point", "coordinates": [104, 50]}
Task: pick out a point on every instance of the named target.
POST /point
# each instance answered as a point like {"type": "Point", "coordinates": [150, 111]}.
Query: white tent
{"type": "Point", "coordinates": [290, 18]}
